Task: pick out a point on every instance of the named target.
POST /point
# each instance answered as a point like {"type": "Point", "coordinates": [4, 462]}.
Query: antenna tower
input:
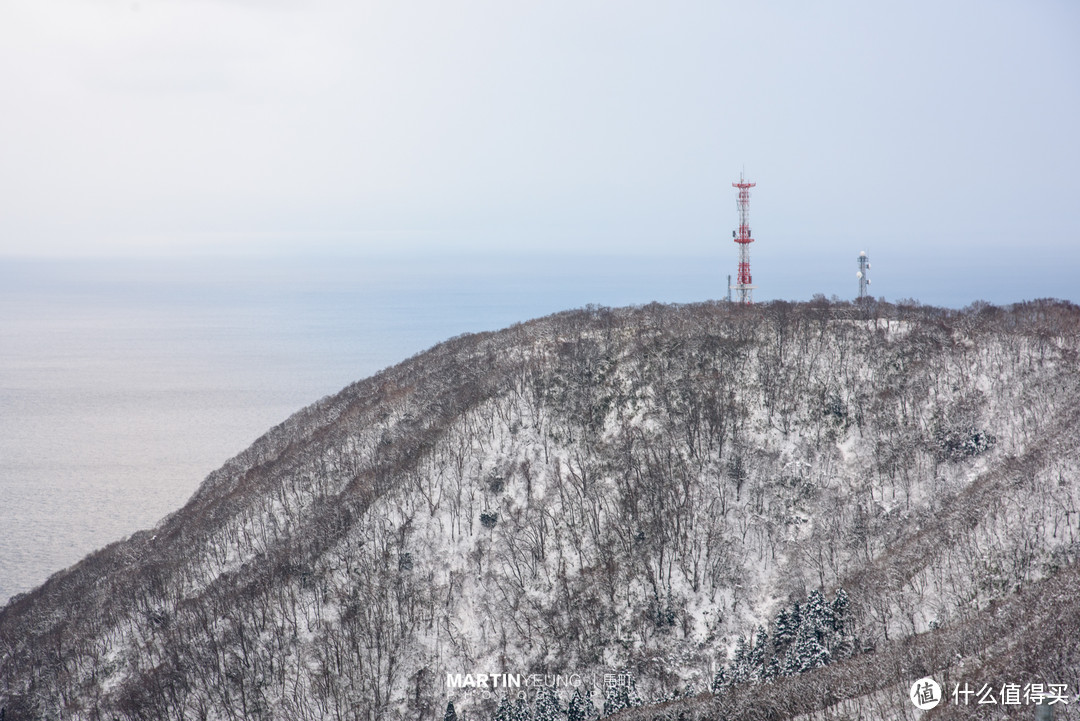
{"type": "Point", "coordinates": [744, 285]}
{"type": "Point", "coordinates": [863, 274]}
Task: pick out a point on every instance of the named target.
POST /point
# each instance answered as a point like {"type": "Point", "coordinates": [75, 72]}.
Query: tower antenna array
{"type": "Point", "coordinates": [863, 274]}
{"type": "Point", "coordinates": [744, 286]}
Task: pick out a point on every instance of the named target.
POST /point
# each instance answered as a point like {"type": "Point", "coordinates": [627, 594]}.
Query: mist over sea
{"type": "Point", "coordinates": [124, 383]}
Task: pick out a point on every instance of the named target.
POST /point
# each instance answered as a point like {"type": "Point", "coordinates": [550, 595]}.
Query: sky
{"type": "Point", "coordinates": [941, 137]}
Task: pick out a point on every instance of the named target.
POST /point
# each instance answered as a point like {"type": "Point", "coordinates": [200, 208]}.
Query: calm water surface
{"type": "Point", "coordinates": [123, 383]}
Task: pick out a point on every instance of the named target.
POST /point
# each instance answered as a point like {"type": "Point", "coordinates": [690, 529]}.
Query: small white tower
{"type": "Point", "coordinates": [863, 275]}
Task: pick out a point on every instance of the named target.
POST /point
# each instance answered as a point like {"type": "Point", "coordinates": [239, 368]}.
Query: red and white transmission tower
{"type": "Point", "coordinates": [744, 284]}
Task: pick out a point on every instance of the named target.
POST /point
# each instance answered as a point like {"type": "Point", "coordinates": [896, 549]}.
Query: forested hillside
{"type": "Point", "coordinates": [775, 511]}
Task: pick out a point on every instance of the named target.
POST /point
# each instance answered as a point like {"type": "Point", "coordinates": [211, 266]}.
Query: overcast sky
{"type": "Point", "coordinates": [920, 131]}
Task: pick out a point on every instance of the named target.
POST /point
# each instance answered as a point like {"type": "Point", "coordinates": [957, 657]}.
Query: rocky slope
{"type": "Point", "coordinates": [622, 492]}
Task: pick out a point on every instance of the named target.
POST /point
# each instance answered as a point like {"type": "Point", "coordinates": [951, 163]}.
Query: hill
{"type": "Point", "coordinates": [633, 500]}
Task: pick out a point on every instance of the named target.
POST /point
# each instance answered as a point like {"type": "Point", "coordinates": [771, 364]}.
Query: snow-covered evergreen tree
{"type": "Point", "coordinates": [795, 620]}
{"type": "Point", "coordinates": [757, 656]}
{"type": "Point", "coordinates": [581, 707]}
{"type": "Point", "coordinates": [817, 614]}
{"type": "Point", "coordinates": [547, 706]}
{"type": "Point", "coordinates": [505, 711]}
{"type": "Point", "coordinates": [615, 700]}
{"type": "Point", "coordinates": [451, 714]}
{"type": "Point", "coordinates": [521, 710]}
{"type": "Point", "coordinates": [773, 668]}
{"type": "Point", "coordinates": [839, 611]}
{"type": "Point", "coordinates": [807, 652]}
{"type": "Point", "coordinates": [719, 679]}
{"type": "Point", "coordinates": [621, 696]}
{"type": "Point", "coordinates": [740, 667]}
{"type": "Point", "coordinates": [784, 630]}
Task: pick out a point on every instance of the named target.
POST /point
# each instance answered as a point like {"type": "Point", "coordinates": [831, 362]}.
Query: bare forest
{"type": "Point", "coordinates": [788, 510]}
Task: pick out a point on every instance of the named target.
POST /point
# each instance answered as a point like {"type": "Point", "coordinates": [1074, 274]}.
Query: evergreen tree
{"type": "Point", "coordinates": [621, 696]}
{"type": "Point", "coordinates": [547, 706]}
{"type": "Point", "coordinates": [521, 710]}
{"type": "Point", "coordinates": [505, 712]}
{"type": "Point", "coordinates": [616, 699]}
{"type": "Point", "coordinates": [807, 652]}
{"type": "Point", "coordinates": [839, 611]}
{"type": "Point", "coordinates": [795, 619]}
{"type": "Point", "coordinates": [816, 615]}
{"type": "Point", "coordinates": [773, 668]}
{"type": "Point", "coordinates": [719, 679]}
{"type": "Point", "coordinates": [632, 696]}
{"type": "Point", "coordinates": [740, 669]}
{"type": "Point", "coordinates": [451, 714]}
{"type": "Point", "coordinates": [757, 655]}
{"type": "Point", "coordinates": [784, 632]}
{"type": "Point", "coordinates": [581, 707]}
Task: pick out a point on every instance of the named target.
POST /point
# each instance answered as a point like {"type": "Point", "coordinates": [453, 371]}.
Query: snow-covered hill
{"type": "Point", "coordinates": [604, 497]}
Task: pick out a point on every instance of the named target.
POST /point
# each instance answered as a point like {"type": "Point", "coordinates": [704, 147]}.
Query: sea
{"type": "Point", "coordinates": [124, 382]}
